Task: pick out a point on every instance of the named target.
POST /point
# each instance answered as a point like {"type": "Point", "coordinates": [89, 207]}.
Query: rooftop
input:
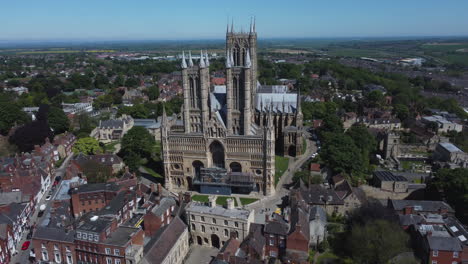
{"type": "Point", "coordinates": [121, 236]}
{"type": "Point", "coordinates": [450, 147]}
{"type": "Point", "coordinates": [236, 213]}
{"type": "Point", "coordinates": [54, 234]}
{"type": "Point", "coordinates": [388, 176]}
{"type": "Point", "coordinates": [425, 206]}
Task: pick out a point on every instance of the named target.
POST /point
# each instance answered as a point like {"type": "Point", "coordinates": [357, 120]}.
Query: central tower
{"type": "Point", "coordinates": [241, 79]}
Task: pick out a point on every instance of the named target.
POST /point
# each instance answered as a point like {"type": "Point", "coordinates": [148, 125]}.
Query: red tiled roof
{"type": "Point", "coordinates": [315, 167]}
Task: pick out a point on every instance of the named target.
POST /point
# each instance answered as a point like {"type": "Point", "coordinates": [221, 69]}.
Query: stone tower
{"type": "Point", "coordinates": [241, 79]}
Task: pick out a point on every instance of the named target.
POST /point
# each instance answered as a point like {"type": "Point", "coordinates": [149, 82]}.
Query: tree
{"type": "Point", "coordinates": [139, 141]}
{"type": "Point", "coordinates": [341, 154]}
{"type": "Point", "coordinates": [31, 134]}
{"type": "Point", "coordinates": [96, 172]}
{"type": "Point", "coordinates": [374, 98]}
{"type": "Point", "coordinates": [103, 101]}
{"type": "Point", "coordinates": [11, 115]}
{"type": "Point", "coordinates": [58, 121]}
{"type": "Point", "coordinates": [401, 111]}
{"type": "Point", "coordinates": [153, 92]}
{"type": "Point", "coordinates": [87, 145]}
{"type": "Point", "coordinates": [376, 242]}
{"type": "Point", "coordinates": [454, 186]}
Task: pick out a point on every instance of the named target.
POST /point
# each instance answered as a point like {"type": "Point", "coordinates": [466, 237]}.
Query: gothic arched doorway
{"type": "Point", "coordinates": [235, 167]}
{"type": "Point", "coordinates": [199, 240]}
{"type": "Point", "coordinates": [214, 241]}
{"type": "Point", "coordinates": [217, 154]}
{"type": "Point", "coordinates": [197, 165]}
{"type": "Point", "coordinates": [292, 151]}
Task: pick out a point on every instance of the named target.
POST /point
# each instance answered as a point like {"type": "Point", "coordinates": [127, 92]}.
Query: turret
{"type": "Point", "coordinates": [202, 61]}
{"type": "Point", "coordinates": [190, 61]}
{"type": "Point", "coordinates": [248, 63]}
{"type": "Point", "coordinates": [183, 63]}
{"type": "Point", "coordinates": [228, 59]}
{"type": "Point", "coordinates": [207, 61]}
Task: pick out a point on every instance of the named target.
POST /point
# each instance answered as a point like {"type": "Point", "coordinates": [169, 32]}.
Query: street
{"type": "Point", "coordinates": [269, 204]}
{"type": "Point", "coordinates": [23, 255]}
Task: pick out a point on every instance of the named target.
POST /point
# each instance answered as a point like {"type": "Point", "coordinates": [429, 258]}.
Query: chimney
{"type": "Point", "coordinates": [159, 188]}
{"type": "Point", "coordinates": [267, 217]}
{"type": "Point", "coordinates": [408, 210]}
{"type": "Point", "coordinates": [212, 201]}
{"type": "Point", "coordinates": [187, 197]}
{"type": "Point", "coordinates": [153, 188]}
{"type": "Point", "coordinates": [230, 203]}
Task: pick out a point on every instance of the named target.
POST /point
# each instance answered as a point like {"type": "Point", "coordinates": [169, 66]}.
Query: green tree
{"type": "Point", "coordinates": [11, 114]}
{"type": "Point", "coordinates": [376, 242]}
{"type": "Point", "coordinates": [454, 186]}
{"type": "Point", "coordinates": [87, 145]}
{"type": "Point", "coordinates": [103, 101]}
{"type": "Point", "coordinates": [153, 92]}
{"type": "Point", "coordinates": [341, 154]}
{"type": "Point", "coordinates": [96, 172]}
{"type": "Point", "coordinates": [139, 141]}
{"type": "Point", "coordinates": [401, 111]}
{"type": "Point", "coordinates": [58, 121]}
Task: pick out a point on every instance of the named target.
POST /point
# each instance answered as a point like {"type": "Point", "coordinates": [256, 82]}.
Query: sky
{"type": "Point", "coordinates": [207, 19]}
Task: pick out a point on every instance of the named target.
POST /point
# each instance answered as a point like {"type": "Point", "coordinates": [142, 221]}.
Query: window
{"type": "Point", "coordinates": [43, 245]}
{"type": "Point", "coordinates": [90, 237]}
{"type": "Point", "coordinates": [96, 238]}
{"type": "Point", "coordinates": [117, 261]}
{"type": "Point", "coordinates": [193, 217]}
{"type": "Point", "coordinates": [226, 232]}
{"type": "Point", "coordinates": [108, 251]}
{"type": "Point", "coordinates": [236, 224]}
{"type": "Point", "coordinates": [214, 221]}
{"type": "Point", "coordinates": [58, 259]}
{"type": "Point", "coordinates": [272, 242]}
{"type": "Point", "coordinates": [434, 262]}
{"type": "Point", "coordinates": [109, 260]}
{"type": "Point", "coordinates": [45, 256]}
{"type": "Point", "coordinates": [67, 248]}
{"type": "Point", "coordinates": [226, 222]}
{"type": "Point", "coordinates": [203, 229]}
{"type": "Point", "coordinates": [435, 253]}
{"type": "Point", "coordinates": [203, 219]}
{"type": "Point", "coordinates": [455, 254]}
{"type": "Point", "coordinates": [78, 235]}
{"type": "Point", "coordinates": [117, 252]}
{"type": "Point", "coordinates": [84, 236]}
{"type": "Point", "coordinates": [69, 259]}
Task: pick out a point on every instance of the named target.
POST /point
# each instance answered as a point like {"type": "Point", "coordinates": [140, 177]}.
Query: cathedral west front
{"type": "Point", "coordinates": [228, 135]}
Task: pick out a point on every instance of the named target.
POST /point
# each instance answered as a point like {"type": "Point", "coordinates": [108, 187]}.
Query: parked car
{"type": "Point", "coordinates": [48, 197]}
{"type": "Point", "coordinates": [25, 245]}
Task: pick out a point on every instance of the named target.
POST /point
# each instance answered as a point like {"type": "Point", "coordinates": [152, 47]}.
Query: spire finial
{"type": "Point", "coordinates": [228, 59]}
{"type": "Point", "coordinates": [202, 61]}
{"type": "Point", "coordinates": [254, 25]}
{"type": "Point", "coordinates": [190, 61]}
{"type": "Point", "coordinates": [232, 26]}
{"type": "Point", "coordinates": [184, 63]}
{"type": "Point", "coordinates": [248, 63]}
{"type": "Point", "coordinates": [227, 27]}
{"type": "Point", "coordinates": [251, 24]}
{"type": "Point", "coordinates": [207, 61]}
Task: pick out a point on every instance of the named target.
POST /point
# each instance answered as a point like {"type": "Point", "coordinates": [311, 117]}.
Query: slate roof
{"type": "Point", "coordinates": [410, 219]}
{"type": "Point", "coordinates": [162, 242]}
{"type": "Point", "coordinates": [121, 236]}
{"type": "Point", "coordinates": [96, 187]}
{"type": "Point", "coordinates": [389, 176]}
{"type": "Point", "coordinates": [316, 194]}
{"type": "Point", "coordinates": [276, 225]}
{"type": "Point", "coordinates": [117, 203]}
{"type": "Point", "coordinates": [317, 211]}
{"type": "Point", "coordinates": [443, 243]}
{"type": "Point", "coordinates": [54, 234]}
{"type": "Point", "coordinates": [424, 206]}
{"type": "Point", "coordinates": [163, 205]}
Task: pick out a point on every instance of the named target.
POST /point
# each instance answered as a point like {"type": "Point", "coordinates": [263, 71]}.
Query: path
{"type": "Point", "coordinates": [270, 203]}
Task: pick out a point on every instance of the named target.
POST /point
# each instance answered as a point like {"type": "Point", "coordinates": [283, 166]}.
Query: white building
{"type": "Point", "coordinates": [443, 125]}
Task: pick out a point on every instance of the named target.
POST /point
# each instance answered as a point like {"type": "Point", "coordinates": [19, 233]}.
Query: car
{"type": "Point", "coordinates": [25, 245]}
{"type": "Point", "coordinates": [48, 197]}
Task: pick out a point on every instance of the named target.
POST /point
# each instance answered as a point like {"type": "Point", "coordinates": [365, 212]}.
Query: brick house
{"type": "Point", "coordinates": [55, 245]}
{"type": "Point", "coordinates": [64, 144]}
{"type": "Point", "coordinates": [92, 197]}
{"type": "Point", "coordinates": [161, 214]}
{"type": "Point", "coordinates": [112, 162]}
{"type": "Point", "coordinates": [275, 232]}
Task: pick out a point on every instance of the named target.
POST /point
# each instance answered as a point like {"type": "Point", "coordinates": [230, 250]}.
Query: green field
{"type": "Point", "coordinates": [246, 201]}
{"type": "Point", "coordinates": [281, 165]}
{"type": "Point", "coordinates": [200, 198]}
{"type": "Point", "coordinates": [152, 172]}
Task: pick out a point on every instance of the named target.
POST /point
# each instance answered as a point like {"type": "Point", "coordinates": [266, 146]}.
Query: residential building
{"type": "Point", "coordinates": [64, 144]}
{"type": "Point", "coordinates": [169, 245]}
{"type": "Point", "coordinates": [443, 125]}
{"type": "Point", "coordinates": [92, 197]}
{"type": "Point", "coordinates": [420, 207]}
{"type": "Point", "coordinates": [77, 108]}
{"type": "Point", "coordinates": [451, 155]}
{"type": "Point", "coordinates": [387, 181]}
{"type": "Point", "coordinates": [113, 129]}
{"type": "Point", "coordinates": [160, 215]}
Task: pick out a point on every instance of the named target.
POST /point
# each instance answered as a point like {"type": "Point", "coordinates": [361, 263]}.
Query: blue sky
{"type": "Point", "coordinates": [190, 19]}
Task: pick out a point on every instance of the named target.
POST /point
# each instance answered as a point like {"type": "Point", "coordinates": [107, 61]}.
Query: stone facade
{"type": "Point", "coordinates": [113, 129]}
{"type": "Point", "coordinates": [213, 225]}
{"type": "Point", "coordinates": [223, 128]}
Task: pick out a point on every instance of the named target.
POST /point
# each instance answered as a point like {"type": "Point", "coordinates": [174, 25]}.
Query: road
{"type": "Point", "coordinates": [23, 255]}
{"type": "Point", "coordinates": [269, 204]}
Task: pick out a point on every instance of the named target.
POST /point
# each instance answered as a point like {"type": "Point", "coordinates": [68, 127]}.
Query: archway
{"type": "Point", "coordinates": [214, 241]}
{"type": "Point", "coordinates": [199, 240]}
{"type": "Point", "coordinates": [189, 182]}
{"type": "Point", "coordinates": [197, 165]}
{"type": "Point", "coordinates": [292, 151]}
{"type": "Point", "coordinates": [235, 167]}
{"type": "Point", "coordinates": [217, 154]}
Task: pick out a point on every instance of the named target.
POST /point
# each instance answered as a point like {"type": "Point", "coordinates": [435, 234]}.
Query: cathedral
{"type": "Point", "coordinates": [228, 135]}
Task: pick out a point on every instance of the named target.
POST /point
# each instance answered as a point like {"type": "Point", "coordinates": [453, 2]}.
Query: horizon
{"type": "Point", "coordinates": [53, 20]}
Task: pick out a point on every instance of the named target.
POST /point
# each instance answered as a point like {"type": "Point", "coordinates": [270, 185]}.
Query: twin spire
{"type": "Point", "coordinates": [252, 26]}
{"type": "Point", "coordinates": [203, 63]}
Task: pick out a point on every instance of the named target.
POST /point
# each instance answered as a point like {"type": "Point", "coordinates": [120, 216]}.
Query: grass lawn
{"type": "Point", "coordinates": [281, 165]}
{"type": "Point", "coordinates": [152, 172]}
{"type": "Point", "coordinates": [200, 198]}
{"type": "Point", "coordinates": [110, 147]}
{"type": "Point", "coordinates": [246, 201]}
{"type": "Point", "coordinates": [304, 146]}
{"type": "Point", "coordinates": [407, 165]}
{"type": "Point", "coordinates": [222, 200]}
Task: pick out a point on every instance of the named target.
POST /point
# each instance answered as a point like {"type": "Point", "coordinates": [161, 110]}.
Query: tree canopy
{"type": "Point", "coordinates": [137, 144]}
{"type": "Point", "coordinates": [87, 145]}
{"type": "Point", "coordinates": [58, 121]}
{"type": "Point", "coordinates": [11, 114]}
